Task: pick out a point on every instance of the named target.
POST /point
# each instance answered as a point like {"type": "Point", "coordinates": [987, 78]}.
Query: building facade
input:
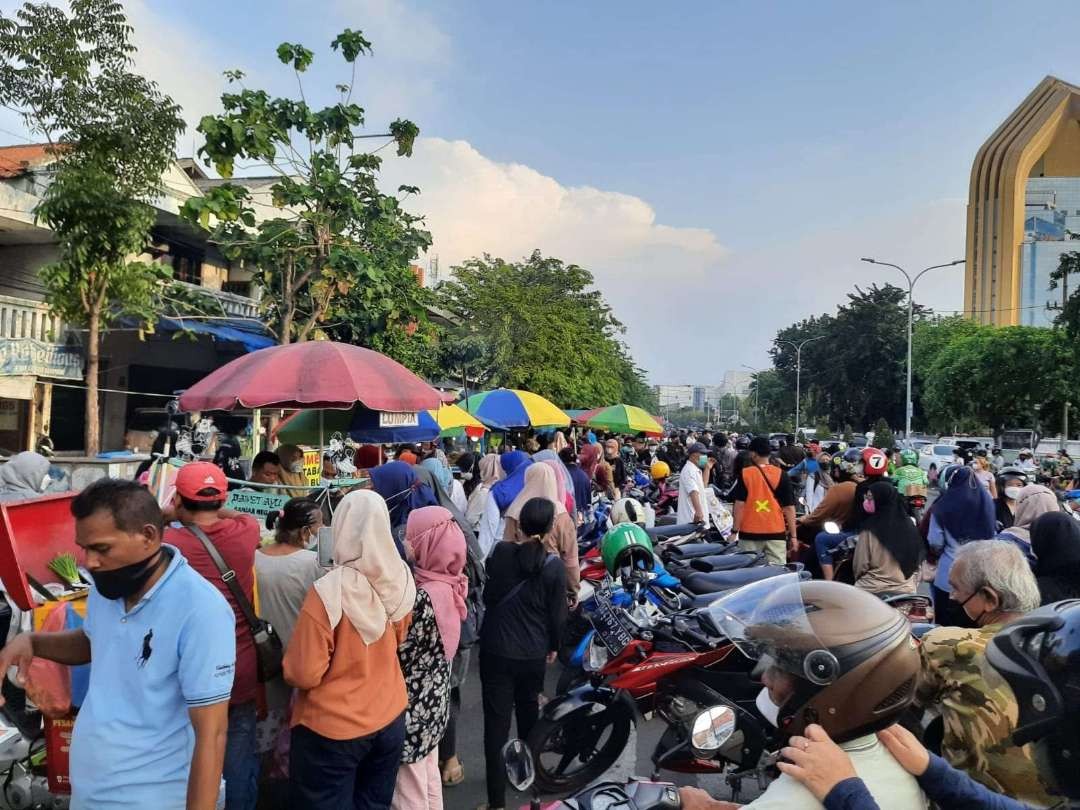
{"type": "Point", "coordinates": [1023, 208]}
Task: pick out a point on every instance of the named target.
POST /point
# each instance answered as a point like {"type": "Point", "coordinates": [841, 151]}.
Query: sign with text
{"type": "Point", "coordinates": [259, 504]}
{"type": "Point", "coordinates": [388, 419]}
{"type": "Point", "coordinates": [28, 357]}
{"type": "Point", "coordinates": [312, 467]}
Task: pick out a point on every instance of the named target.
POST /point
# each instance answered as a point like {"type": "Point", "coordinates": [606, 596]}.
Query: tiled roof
{"type": "Point", "coordinates": [17, 160]}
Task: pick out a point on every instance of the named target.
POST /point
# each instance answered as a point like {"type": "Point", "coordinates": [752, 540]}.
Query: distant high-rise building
{"type": "Point", "coordinates": [671, 397]}
{"type": "Point", "coordinates": [737, 383]}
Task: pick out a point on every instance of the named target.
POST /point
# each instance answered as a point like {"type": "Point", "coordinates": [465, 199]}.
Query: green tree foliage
{"type": "Point", "coordinates": [857, 373]}
{"type": "Point", "coordinates": [334, 248]}
{"type": "Point", "coordinates": [112, 133]}
{"type": "Point", "coordinates": [883, 435]}
{"type": "Point", "coordinates": [772, 401]}
{"type": "Point", "coordinates": [547, 330]}
{"type": "Point", "coordinates": [1068, 270]}
{"type": "Point", "coordinates": [995, 376]}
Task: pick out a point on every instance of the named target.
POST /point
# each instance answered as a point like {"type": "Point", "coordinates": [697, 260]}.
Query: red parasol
{"type": "Point", "coordinates": [314, 374]}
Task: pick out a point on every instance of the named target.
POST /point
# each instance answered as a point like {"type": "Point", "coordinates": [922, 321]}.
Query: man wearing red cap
{"type": "Point", "coordinates": [201, 490]}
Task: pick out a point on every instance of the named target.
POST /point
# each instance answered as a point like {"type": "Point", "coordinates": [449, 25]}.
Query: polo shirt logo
{"type": "Point", "coordinates": [147, 650]}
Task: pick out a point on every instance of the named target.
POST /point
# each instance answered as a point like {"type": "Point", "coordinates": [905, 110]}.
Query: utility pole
{"type": "Point", "coordinates": [798, 371]}
{"type": "Point", "coordinates": [910, 321]}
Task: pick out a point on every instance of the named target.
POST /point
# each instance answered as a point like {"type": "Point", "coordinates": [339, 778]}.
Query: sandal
{"type": "Point", "coordinates": [453, 775]}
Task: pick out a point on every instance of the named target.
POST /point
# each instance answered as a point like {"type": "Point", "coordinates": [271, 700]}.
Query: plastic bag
{"type": "Point", "coordinates": [48, 684]}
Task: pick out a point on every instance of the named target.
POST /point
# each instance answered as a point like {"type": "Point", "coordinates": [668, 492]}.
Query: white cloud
{"type": "Point", "coordinates": [646, 270]}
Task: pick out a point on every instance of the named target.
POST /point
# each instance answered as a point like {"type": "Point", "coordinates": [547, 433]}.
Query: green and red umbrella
{"type": "Point", "coordinates": [621, 419]}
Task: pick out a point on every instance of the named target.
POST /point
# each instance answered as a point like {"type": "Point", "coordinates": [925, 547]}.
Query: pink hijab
{"type": "Point", "coordinates": [589, 459]}
{"type": "Point", "coordinates": [565, 498]}
{"type": "Point", "coordinates": [438, 548]}
{"type": "Point", "coordinates": [540, 482]}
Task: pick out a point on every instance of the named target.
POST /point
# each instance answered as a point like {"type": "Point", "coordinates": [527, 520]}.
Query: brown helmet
{"type": "Point", "coordinates": [853, 656]}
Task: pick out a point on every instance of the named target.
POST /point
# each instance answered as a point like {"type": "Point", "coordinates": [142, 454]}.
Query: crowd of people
{"type": "Point", "coordinates": [353, 699]}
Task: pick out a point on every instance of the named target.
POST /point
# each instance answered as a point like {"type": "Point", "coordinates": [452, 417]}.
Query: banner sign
{"type": "Point", "coordinates": [259, 504]}
{"type": "Point", "coordinates": [312, 467]}
{"type": "Point", "coordinates": [29, 357]}
{"type": "Point", "coordinates": [390, 419]}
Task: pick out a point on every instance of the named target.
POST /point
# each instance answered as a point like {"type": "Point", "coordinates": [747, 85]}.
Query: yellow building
{"type": "Point", "coordinates": [1023, 207]}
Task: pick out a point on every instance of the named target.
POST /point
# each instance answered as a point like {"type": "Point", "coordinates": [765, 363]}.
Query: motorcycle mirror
{"type": "Point", "coordinates": [518, 761]}
{"type": "Point", "coordinates": [711, 729]}
{"type": "Point", "coordinates": [832, 527]}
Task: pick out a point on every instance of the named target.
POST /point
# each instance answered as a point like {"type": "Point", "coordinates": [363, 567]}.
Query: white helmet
{"type": "Point", "coordinates": [628, 510]}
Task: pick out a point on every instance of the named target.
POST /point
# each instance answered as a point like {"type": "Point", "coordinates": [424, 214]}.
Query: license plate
{"type": "Point", "coordinates": [608, 626]}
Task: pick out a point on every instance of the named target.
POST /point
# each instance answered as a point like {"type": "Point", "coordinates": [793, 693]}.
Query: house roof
{"type": "Point", "coordinates": [15, 161]}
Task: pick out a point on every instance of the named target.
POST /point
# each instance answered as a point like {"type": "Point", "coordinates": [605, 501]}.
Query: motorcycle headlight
{"type": "Point", "coordinates": [596, 656]}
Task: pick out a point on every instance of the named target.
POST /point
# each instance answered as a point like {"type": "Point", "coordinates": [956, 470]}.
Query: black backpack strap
{"type": "Point", "coordinates": [228, 576]}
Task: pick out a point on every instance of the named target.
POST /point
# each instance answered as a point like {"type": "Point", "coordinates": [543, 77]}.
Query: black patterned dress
{"type": "Point", "coordinates": [427, 680]}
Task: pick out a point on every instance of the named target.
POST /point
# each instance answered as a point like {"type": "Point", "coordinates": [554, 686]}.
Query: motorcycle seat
{"type": "Point", "coordinates": [688, 551]}
{"type": "Point", "coordinates": [700, 600]}
{"type": "Point", "coordinates": [700, 582]}
{"type": "Point", "coordinates": [676, 530]}
{"type": "Point", "coordinates": [725, 562]}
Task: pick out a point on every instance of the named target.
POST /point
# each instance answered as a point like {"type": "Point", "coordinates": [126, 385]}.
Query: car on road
{"type": "Point", "coordinates": [937, 454]}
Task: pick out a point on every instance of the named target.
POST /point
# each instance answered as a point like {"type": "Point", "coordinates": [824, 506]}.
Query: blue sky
{"type": "Point", "coordinates": [721, 167]}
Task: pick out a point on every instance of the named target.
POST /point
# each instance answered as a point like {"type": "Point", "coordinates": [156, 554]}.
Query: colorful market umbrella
{"type": "Point", "coordinates": [506, 408]}
{"type": "Point", "coordinates": [314, 374]}
{"type": "Point", "coordinates": [621, 419]}
{"type": "Point", "coordinates": [453, 420]}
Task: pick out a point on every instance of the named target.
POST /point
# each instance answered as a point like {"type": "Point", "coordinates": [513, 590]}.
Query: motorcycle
{"type": "Point", "coordinates": [639, 663]}
{"type": "Point", "coordinates": [637, 795]}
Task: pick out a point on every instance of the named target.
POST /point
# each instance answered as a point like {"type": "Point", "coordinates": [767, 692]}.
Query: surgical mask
{"type": "Point", "coordinates": [869, 506]}
{"type": "Point", "coordinates": [769, 710]}
{"type": "Point", "coordinates": [121, 583]}
{"type": "Point", "coordinates": [702, 461]}
{"type": "Point", "coordinates": [1012, 493]}
{"type": "Point", "coordinates": [296, 467]}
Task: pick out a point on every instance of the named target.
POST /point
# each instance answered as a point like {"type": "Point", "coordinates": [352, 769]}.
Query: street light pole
{"type": "Point", "coordinates": [910, 320]}
{"type": "Point", "coordinates": [798, 371]}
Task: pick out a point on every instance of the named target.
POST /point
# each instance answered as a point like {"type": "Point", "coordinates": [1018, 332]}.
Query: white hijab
{"type": "Point", "coordinates": [370, 583]}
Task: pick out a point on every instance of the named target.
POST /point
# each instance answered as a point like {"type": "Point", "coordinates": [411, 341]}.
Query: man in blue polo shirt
{"type": "Point", "coordinates": [160, 641]}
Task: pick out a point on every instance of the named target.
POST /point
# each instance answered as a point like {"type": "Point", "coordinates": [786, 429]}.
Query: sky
{"type": "Point", "coordinates": [720, 167]}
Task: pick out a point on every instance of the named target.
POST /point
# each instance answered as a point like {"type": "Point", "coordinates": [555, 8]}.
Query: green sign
{"type": "Point", "coordinates": [259, 504]}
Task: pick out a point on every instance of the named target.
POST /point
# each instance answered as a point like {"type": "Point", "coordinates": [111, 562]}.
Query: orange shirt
{"type": "Point", "coordinates": [346, 688]}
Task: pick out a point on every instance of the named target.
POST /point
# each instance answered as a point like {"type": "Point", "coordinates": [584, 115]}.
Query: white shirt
{"type": "Point", "coordinates": [690, 480]}
{"type": "Point", "coordinates": [457, 496]}
{"type": "Point", "coordinates": [491, 527]}
{"type": "Point", "coordinates": [892, 787]}
{"type": "Point", "coordinates": [476, 505]}
{"type": "Point", "coordinates": [813, 494]}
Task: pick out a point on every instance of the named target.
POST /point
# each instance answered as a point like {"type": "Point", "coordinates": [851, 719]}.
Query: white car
{"type": "Point", "coordinates": [937, 454]}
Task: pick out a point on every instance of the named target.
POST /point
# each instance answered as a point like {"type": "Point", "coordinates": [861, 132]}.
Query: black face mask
{"type": "Point", "coordinates": [120, 583]}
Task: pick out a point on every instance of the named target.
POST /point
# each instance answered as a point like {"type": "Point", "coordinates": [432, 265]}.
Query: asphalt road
{"type": "Point", "coordinates": [472, 792]}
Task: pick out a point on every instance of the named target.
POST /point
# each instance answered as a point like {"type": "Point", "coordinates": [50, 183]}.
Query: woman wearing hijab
{"type": "Point", "coordinates": [292, 470]}
{"type": "Point", "coordinates": [540, 482]}
{"type": "Point", "coordinates": [818, 480]}
{"type": "Point", "coordinates": [399, 486]}
{"type": "Point", "coordinates": [346, 747]}
{"type": "Point", "coordinates": [582, 486]}
{"type": "Point", "coordinates": [514, 464]}
{"type": "Point", "coordinates": [589, 459]}
{"type": "Point", "coordinates": [437, 549]}
{"type": "Point", "coordinates": [491, 472]}
{"type": "Point", "coordinates": [25, 475]}
{"type": "Point", "coordinates": [889, 548]}
{"type": "Point", "coordinates": [566, 483]}
{"type": "Point", "coordinates": [964, 512]}
{"type": "Point", "coordinates": [526, 610]}
{"type": "Point", "coordinates": [1055, 539]}
{"type": "Point", "coordinates": [1031, 502]}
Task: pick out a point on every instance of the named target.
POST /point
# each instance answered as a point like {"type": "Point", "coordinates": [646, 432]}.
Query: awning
{"type": "Point", "coordinates": [252, 335]}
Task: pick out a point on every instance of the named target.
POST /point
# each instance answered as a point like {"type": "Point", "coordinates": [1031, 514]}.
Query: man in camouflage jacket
{"type": "Point", "coordinates": [992, 580]}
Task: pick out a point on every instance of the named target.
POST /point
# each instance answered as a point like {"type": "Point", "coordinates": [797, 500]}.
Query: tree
{"type": "Point", "coordinates": [336, 245]}
{"type": "Point", "coordinates": [112, 134]}
{"type": "Point", "coordinates": [1069, 314]}
{"type": "Point", "coordinates": [547, 330]}
{"type": "Point", "coordinates": [883, 435]}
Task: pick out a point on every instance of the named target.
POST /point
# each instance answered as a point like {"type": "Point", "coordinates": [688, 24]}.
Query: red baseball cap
{"type": "Point", "coordinates": [198, 476]}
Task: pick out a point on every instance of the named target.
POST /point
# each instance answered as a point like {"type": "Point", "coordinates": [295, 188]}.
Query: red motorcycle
{"type": "Point", "coordinates": [676, 666]}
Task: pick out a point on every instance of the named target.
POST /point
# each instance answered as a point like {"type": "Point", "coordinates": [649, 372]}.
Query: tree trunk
{"type": "Point", "coordinates": [93, 362]}
{"type": "Point", "coordinates": [286, 327]}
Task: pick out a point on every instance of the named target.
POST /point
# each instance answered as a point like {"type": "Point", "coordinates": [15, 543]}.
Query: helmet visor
{"type": "Point", "coordinates": [769, 619]}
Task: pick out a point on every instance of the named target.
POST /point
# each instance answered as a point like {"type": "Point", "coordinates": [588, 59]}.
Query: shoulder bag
{"type": "Point", "coordinates": [269, 650]}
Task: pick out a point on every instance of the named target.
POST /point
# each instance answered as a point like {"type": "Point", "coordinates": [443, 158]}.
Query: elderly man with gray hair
{"type": "Point", "coordinates": [993, 584]}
